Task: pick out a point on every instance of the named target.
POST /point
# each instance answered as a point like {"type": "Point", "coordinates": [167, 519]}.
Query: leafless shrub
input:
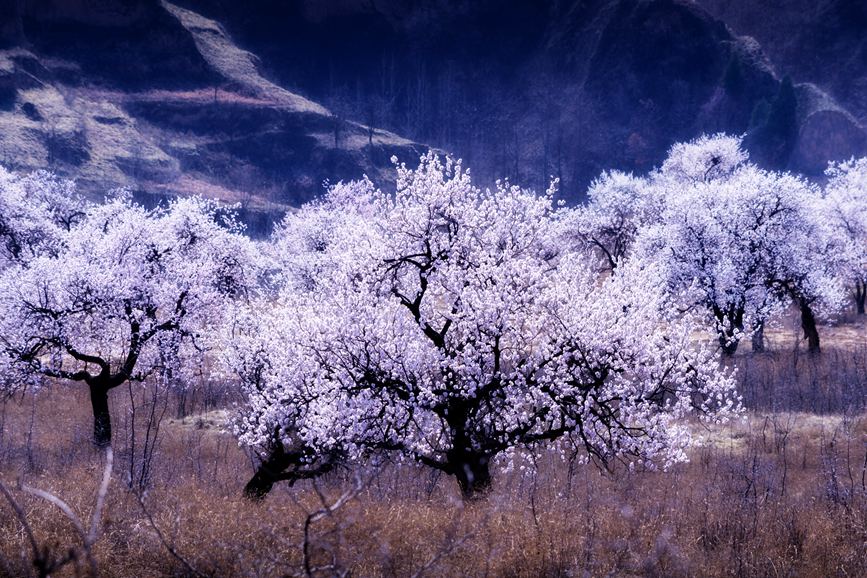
{"type": "Point", "coordinates": [787, 381]}
{"type": "Point", "coordinates": [148, 404]}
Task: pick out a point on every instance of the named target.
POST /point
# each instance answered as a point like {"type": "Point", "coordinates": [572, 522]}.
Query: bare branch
{"type": "Point", "coordinates": [100, 497]}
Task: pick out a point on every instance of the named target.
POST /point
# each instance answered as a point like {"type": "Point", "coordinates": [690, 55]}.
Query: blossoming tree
{"type": "Point", "coordinates": [619, 205]}
{"type": "Point", "coordinates": [465, 330]}
{"type": "Point", "coordinates": [316, 253]}
{"type": "Point", "coordinates": [35, 210]}
{"type": "Point", "coordinates": [846, 210]}
{"type": "Point", "coordinates": [741, 242]}
{"type": "Point", "coordinates": [128, 291]}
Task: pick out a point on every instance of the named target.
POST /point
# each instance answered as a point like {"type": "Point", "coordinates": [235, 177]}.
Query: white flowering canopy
{"type": "Point", "coordinates": [738, 241]}
{"type": "Point", "coordinates": [846, 213]}
{"type": "Point", "coordinates": [707, 158]}
{"type": "Point", "coordinates": [125, 293]}
{"type": "Point", "coordinates": [618, 206]}
{"type": "Point", "coordinates": [452, 325]}
{"type": "Point", "coordinates": [35, 210]}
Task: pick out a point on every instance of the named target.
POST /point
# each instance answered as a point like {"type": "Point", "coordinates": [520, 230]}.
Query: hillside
{"type": "Point", "coordinates": [819, 42]}
{"type": "Point", "coordinates": [160, 99]}
{"type": "Point", "coordinates": [529, 90]}
{"type": "Point", "coordinates": [261, 101]}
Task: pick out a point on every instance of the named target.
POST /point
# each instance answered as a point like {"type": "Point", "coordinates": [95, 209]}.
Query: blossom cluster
{"type": "Point", "coordinates": [110, 292]}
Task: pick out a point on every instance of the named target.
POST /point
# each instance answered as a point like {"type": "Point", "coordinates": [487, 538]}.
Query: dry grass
{"type": "Point", "coordinates": [780, 493]}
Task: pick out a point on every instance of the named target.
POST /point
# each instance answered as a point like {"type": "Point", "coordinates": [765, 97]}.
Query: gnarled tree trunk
{"type": "Point", "coordinates": [860, 296]}
{"type": "Point", "coordinates": [268, 473]}
{"type": "Point", "coordinates": [101, 415]}
{"type": "Point", "coordinates": [729, 346]}
{"type": "Point", "coordinates": [731, 324]}
{"type": "Point", "coordinates": [473, 473]}
{"type": "Point", "coordinates": [759, 338]}
{"type": "Point", "coordinates": [280, 465]}
{"type": "Point", "coordinates": [808, 324]}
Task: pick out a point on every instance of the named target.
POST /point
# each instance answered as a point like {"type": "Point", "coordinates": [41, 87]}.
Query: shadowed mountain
{"type": "Point", "coordinates": [528, 90]}
{"type": "Point", "coordinates": [158, 98]}
{"type": "Point", "coordinates": [206, 95]}
{"type": "Point", "coordinates": [818, 41]}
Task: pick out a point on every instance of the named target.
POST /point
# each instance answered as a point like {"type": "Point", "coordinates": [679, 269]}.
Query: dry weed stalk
{"type": "Point", "coordinates": [43, 558]}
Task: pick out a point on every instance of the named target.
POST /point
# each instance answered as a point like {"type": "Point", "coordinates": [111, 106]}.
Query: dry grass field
{"type": "Point", "coordinates": [780, 493]}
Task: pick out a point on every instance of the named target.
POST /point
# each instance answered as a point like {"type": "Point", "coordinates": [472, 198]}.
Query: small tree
{"type": "Point", "coordinates": [846, 210]}
{"type": "Point", "coordinates": [129, 292]}
{"type": "Point", "coordinates": [618, 206]}
{"type": "Point", "coordinates": [266, 350]}
{"type": "Point", "coordinates": [315, 251]}
{"type": "Point", "coordinates": [35, 210]}
{"type": "Point", "coordinates": [465, 330]}
{"type": "Point", "coordinates": [706, 159]}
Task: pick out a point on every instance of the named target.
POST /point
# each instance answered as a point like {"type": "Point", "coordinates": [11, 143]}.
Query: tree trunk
{"type": "Point", "coordinates": [473, 473]}
{"type": "Point", "coordinates": [267, 474]}
{"type": "Point", "coordinates": [289, 466]}
{"type": "Point", "coordinates": [101, 416]}
{"type": "Point", "coordinates": [759, 338]}
{"type": "Point", "coordinates": [808, 324]}
{"type": "Point", "coordinates": [729, 346]}
{"type": "Point", "coordinates": [728, 342]}
{"type": "Point", "coordinates": [860, 296]}
{"type": "Point", "coordinates": [730, 326]}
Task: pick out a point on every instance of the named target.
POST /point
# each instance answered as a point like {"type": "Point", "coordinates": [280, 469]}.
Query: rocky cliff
{"type": "Point", "coordinates": [158, 98]}
{"type": "Point", "coordinates": [260, 101]}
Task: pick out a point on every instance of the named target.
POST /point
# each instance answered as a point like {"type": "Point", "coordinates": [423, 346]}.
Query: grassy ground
{"type": "Point", "coordinates": [780, 493]}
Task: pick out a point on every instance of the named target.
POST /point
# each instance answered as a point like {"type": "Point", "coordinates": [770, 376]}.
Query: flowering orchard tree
{"type": "Point", "coordinates": [621, 205]}
{"type": "Point", "coordinates": [319, 250]}
{"type": "Point", "coordinates": [35, 210]}
{"type": "Point", "coordinates": [710, 241]}
{"type": "Point", "coordinates": [802, 266]}
{"type": "Point", "coordinates": [705, 159]}
{"type": "Point", "coordinates": [618, 206]}
{"type": "Point", "coordinates": [130, 292]}
{"type": "Point", "coordinates": [465, 330]}
{"type": "Point", "coordinates": [289, 421]}
{"type": "Point", "coordinates": [741, 242]}
{"type": "Point", "coordinates": [846, 210]}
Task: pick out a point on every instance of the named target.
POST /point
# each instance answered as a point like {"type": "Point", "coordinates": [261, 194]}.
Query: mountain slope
{"type": "Point", "coordinates": [822, 42]}
{"type": "Point", "coordinates": [526, 89]}
{"type": "Point", "coordinates": [158, 98]}
{"type": "Point", "coordinates": [260, 101]}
